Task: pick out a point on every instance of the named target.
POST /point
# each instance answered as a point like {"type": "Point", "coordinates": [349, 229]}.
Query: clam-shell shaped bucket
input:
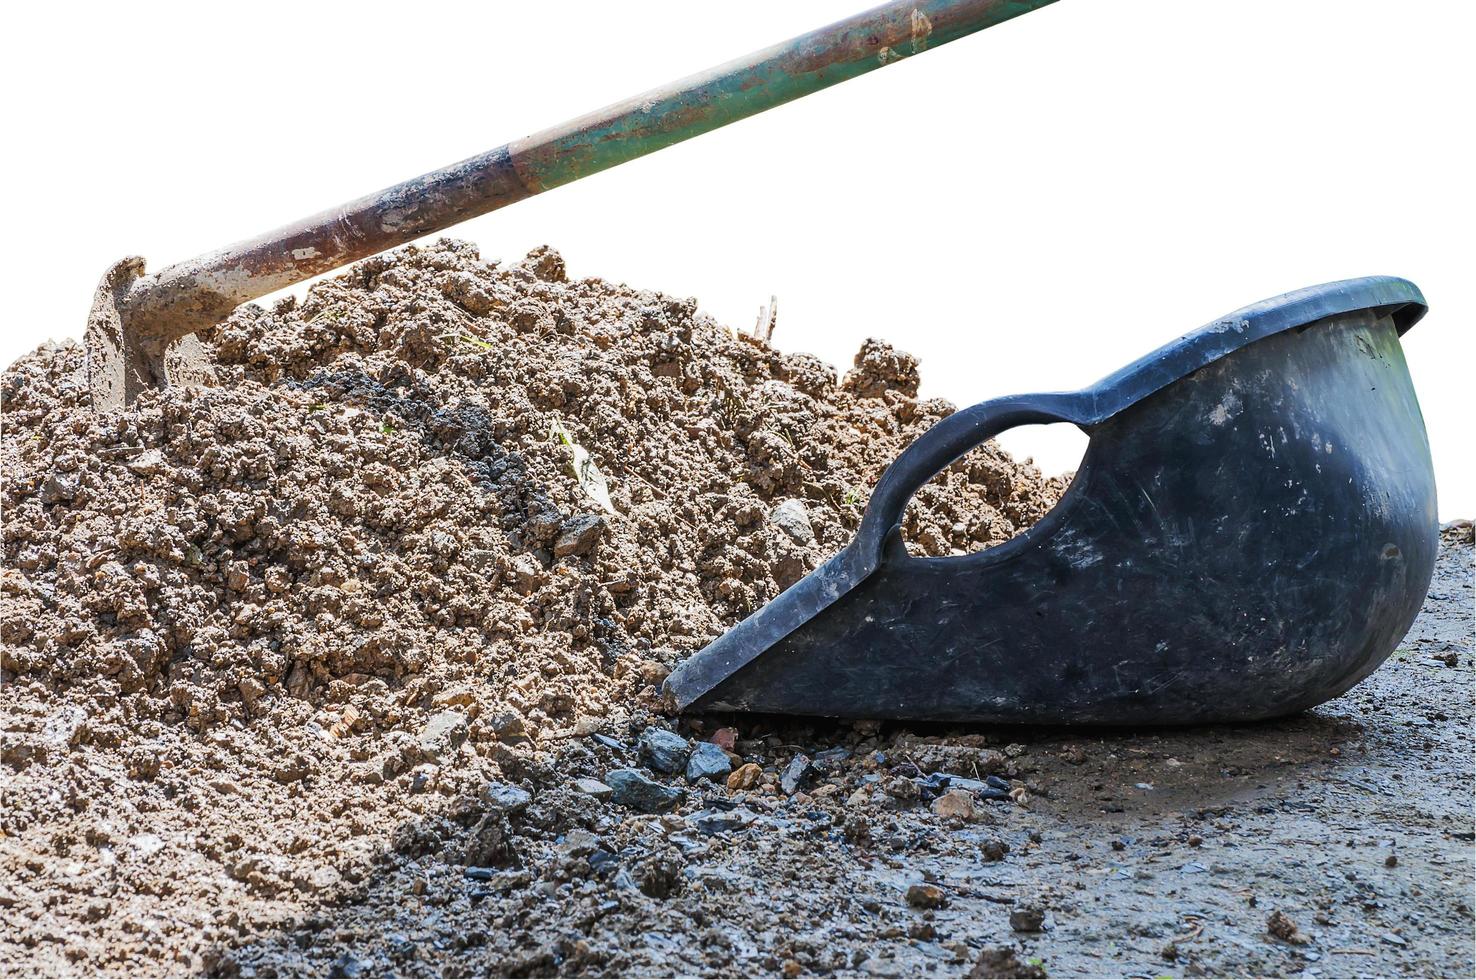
{"type": "Point", "coordinates": [1251, 532]}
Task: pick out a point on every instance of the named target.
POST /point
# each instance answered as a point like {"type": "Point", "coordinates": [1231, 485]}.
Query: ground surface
{"type": "Point", "coordinates": [331, 669]}
{"type": "Point", "coordinates": [1158, 854]}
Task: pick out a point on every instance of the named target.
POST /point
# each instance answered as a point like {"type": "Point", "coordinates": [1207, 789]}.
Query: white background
{"type": "Point", "coordinates": [1028, 208]}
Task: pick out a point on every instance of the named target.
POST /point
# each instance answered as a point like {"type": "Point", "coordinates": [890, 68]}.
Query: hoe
{"type": "Point", "coordinates": [1250, 533]}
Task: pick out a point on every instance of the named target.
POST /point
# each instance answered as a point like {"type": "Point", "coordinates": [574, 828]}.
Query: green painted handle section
{"type": "Point", "coordinates": [745, 87]}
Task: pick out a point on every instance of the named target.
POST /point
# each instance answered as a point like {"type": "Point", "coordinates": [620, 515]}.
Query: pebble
{"type": "Point", "coordinates": [792, 518]}
{"type": "Point", "coordinates": [1280, 925]}
{"type": "Point", "coordinates": [745, 776]}
{"type": "Point", "coordinates": [725, 739]}
{"type": "Point", "coordinates": [956, 804]}
{"type": "Point", "coordinates": [148, 463]}
{"type": "Point", "coordinates": [579, 535]}
{"type": "Point", "coordinates": [663, 751]}
{"type": "Point", "coordinates": [506, 798]}
{"type": "Point", "coordinates": [593, 787]}
{"type": "Point", "coordinates": [578, 842]}
{"type": "Point", "coordinates": [716, 821]}
{"type": "Point", "coordinates": [796, 775]}
{"type": "Point", "coordinates": [988, 788]}
{"type": "Point", "coordinates": [708, 761]}
{"type": "Point", "coordinates": [925, 896]}
{"type": "Point", "coordinates": [504, 724]}
{"type": "Point", "coordinates": [1027, 918]}
{"type": "Point", "coordinates": [632, 788]}
{"type": "Point", "coordinates": [347, 966]}
{"type": "Point", "coordinates": [1004, 961]}
{"type": "Point", "coordinates": [831, 758]}
{"type": "Point", "coordinates": [442, 733]}
{"type": "Point", "coordinates": [64, 727]}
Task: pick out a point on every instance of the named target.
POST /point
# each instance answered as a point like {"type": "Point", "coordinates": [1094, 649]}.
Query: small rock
{"type": "Point", "coordinates": [579, 842]}
{"type": "Point", "coordinates": [714, 821]}
{"type": "Point", "coordinates": [1391, 861]}
{"type": "Point", "coordinates": [1458, 532]}
{"type": "Point", "coordinates": [506, 798]}
{"type": "Point", "coordinates": [1393, 939]}
{"type": "Point", "coordinates": [725, 739]}
{"type": "Point", "coordinates": [347, 966]}
{"type": "Point", "coordinates": [926, 896]}
{"type": "Point", "coordinates": [579, 535]}
{"type": "Point", "coordinates": [901, 788]}
{"type": "Point", "coordinates": [59, 487]}
{"type": "Point", "coordinates": [442, 733]}
{"type": "Point", "coordinates": [994, 849]}
{"type": "Point", "coordinates": [1074, 755]}
{"type": "Point", "coordinates": [1280, 925]}
{"type": "Point", "coordinates": [504, 724]}
{"type": "Point", "coordinates": [632, 788]}
{"type": "Point", "coordinates": [1027, 918]}
{"type": "Point", "coordinates": [593, 787]}
{"type": "Point", "coordinates": [998, 962]}
{"type": "Point", "coordinates": [992, 788]}
{"type": "Point", "coordinates": [708, 761]}
{"type": "Point", "coordinates": [792, 518]}
{"type": "Point", "coordinates": [147, 463]}
{"type": "Point", "coordinates": [64, 728]}
{"type": "Point", "coordinates": [662, 750]}
{"type": "Point", "coordinates": [956, 804]}
{"type": "Point", "coordinates": [488, 843]}
{"type": "Point", "coordinates": [745, 776]}
{"type": "Point", "coordinates": [796, 775]}
{"type": "Point", "coordinates": [832, 758]}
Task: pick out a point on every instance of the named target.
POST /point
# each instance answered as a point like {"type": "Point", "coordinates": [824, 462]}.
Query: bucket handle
{"type": "Point", "coordinates": [945, 442]}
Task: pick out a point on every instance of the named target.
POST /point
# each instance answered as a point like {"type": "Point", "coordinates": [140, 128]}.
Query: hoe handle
{"type": "Point", "coordinates": [183, 298]}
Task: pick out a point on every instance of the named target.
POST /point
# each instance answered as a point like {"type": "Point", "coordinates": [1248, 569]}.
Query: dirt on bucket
{"type": "Point", "coordinates": [439, 525]}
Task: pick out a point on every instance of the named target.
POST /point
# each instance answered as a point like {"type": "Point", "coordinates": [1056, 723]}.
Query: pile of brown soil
{"type": "Point", "coordinates": [439, 523]}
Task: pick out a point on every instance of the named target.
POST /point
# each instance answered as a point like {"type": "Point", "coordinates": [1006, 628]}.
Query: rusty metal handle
{"type": "Point", "coordinates": [185, 297]}
{"type": "Point", "coordinates": [139, 330]}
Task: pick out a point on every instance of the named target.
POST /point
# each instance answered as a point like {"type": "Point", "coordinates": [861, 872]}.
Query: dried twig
{"type": "Point", "coordinates": [768, 318]}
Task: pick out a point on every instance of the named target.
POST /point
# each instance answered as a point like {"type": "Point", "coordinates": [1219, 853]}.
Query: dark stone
{"type": "Point", "coordinates": [722, 821]}
{"type": "Point", "coordinates": [634, 789]}
{"type": "Point", "coordinates": [663, 751]}
{"type": "Point", "coordinates": [1027, 918]}
{"type": "Point", "coordinates": [797, 774]}
{"type": "Point", "coordinates": [708, 761]}
{"type": "Point", "coordinates": [579, 535]}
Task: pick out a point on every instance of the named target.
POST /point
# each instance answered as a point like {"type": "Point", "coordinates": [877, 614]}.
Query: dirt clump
{"type": "Point", "coordinates": [437, 526]}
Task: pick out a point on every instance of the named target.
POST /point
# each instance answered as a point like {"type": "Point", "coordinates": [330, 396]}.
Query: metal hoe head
{"type": "Point", "coordinates": [1250, 533]}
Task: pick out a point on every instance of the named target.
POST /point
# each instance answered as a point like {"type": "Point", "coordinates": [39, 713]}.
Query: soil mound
{"type": "Point", "coordinates": [437, 520]}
